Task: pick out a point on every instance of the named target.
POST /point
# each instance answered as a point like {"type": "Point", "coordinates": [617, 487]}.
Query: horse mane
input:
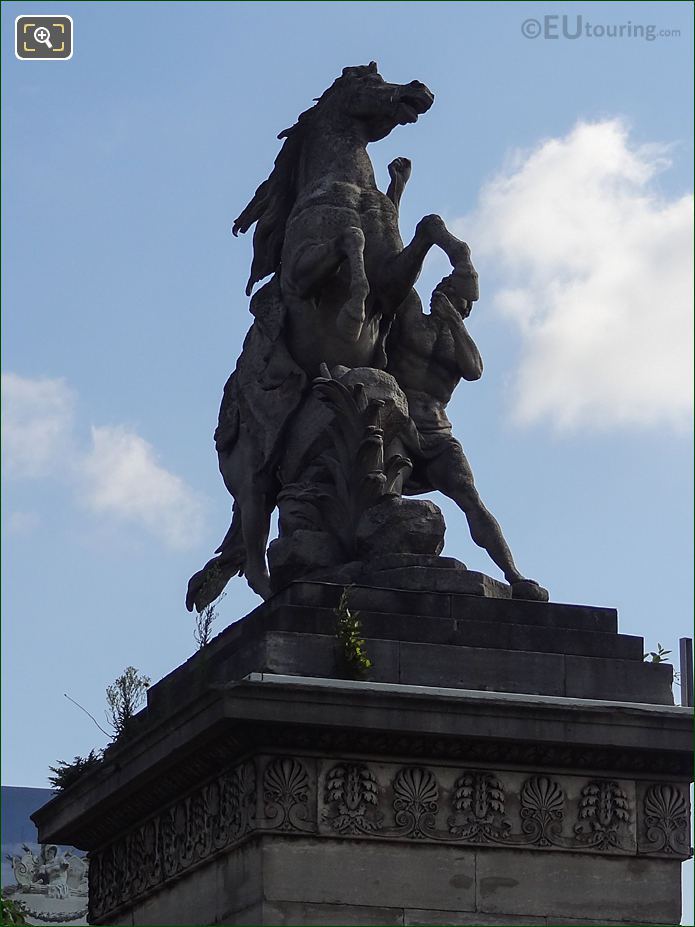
{"type": "Point", "coordinates": [273, 200]}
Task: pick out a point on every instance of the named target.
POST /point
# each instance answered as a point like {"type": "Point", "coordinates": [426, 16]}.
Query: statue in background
{"type": "Point", "coordinates": [341, 299]}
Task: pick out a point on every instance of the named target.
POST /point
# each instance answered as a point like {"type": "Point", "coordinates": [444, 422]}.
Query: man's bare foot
{"type": "Point", "coordinates": [529, 589]}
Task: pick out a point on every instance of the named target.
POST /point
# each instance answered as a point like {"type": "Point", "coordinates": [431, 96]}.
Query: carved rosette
{"type": "Point", "coordinates": [603, 814]}
{"type": "Point", "coordinates": [542, 809]}
{"type": "Point", "coordinates": [415, 802]}
{"type": "Point", "coordinates": [352, 796]}
{"type": "Point", "coordinates": [666, 820]}
{"type": "Point", "coordinates": [286, 795]}
{"type": "Point", "coordinates": [478, 802]}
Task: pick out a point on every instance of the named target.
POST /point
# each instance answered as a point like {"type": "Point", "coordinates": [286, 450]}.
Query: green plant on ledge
{"type": "Point", "coordinates": [11, 912]}
{"type": "Point", "coordinates": [661, 655]}
{"type": "Point", "coordinates": [349, 633]}
{"type": "Point", "coordinates": [65, 773]}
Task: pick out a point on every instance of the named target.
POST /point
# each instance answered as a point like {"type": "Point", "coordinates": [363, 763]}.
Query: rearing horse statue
{"type": "Point", "coordinates": [340, 272]}
{"type": "Point", "coordinates": [332, 236]}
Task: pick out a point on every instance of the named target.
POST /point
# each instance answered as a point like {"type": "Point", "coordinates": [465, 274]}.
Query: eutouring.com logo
{"type": "Point", "coordinates": [554, 26]}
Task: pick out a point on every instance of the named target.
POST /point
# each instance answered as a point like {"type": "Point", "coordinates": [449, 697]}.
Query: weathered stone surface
{"type": "Point", "coordinates": [300, 553]}
{"type": "Point", "coordinates": [570, 885]}
{"type": "Point", "coordinates": [615, 679]}
{"type": "Point", "coordinates": [365, 875]}
{"type": "Point", "coordinates": [425, 603]}
{"type": "Point", "coordinates": [446, 918]}
{"type": "Point", "coordinates": [326, 915]}
{"type": "Point", "coordinates": [397, 561]}
{"type": "Point", "coordinates": [476, 668]}
{"type": "Point", "coordinates": [415, 527]}
{"type": "Point", "coordinates": [227, 890]}
{"type": "Point", "coordinates": [460, 582]}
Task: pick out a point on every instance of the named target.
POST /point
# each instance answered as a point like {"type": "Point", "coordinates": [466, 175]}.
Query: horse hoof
{"type": "Point", "coordinates": [260, 585]}
{"type": "Point", "coordinates": [529, 589]}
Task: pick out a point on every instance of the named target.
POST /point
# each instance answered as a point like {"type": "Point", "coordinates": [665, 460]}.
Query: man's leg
{"type": "Point", "coordinates": [451, 474]}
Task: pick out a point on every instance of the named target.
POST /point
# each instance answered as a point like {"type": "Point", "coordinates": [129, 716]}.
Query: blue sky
{"type": "Point", "coordinates": [564, 163]}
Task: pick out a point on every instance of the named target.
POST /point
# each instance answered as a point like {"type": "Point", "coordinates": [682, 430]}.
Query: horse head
{"type": "Point", "coordinates": [359, 103]}
{"type": "Point", "coordinates": [360, 99]}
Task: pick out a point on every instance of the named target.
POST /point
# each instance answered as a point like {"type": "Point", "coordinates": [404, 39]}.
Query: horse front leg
{"type": "Point", "coordinates": [316, 263]}
{"type": "Point", "coordinates": [402, 271]}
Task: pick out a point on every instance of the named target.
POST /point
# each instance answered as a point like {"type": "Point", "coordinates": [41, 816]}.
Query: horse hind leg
{"type": "Point", "coordinates": [255, 520]}
{"type": "Point", "coordinates": [352, 315]}
{"type": "Point", "coordinates": [317, 263]}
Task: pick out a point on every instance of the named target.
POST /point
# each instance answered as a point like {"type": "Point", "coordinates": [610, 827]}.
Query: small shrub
{"type": "Point", "coordinates": [660, 655]}
{"type": "Point", "coordinates": [124, 697]}
{"type": "Point", "coordinates": [11, 912]}
{"type": "Point", "coordinates": [66, 774]}
{"type": "Point", "coordinates": [203, 622]}
{"type": "Point", "coordinates": [349, 633]}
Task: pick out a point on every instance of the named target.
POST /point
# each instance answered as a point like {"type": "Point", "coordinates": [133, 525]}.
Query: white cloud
{"type": "Point", "coordinates": [595, 267]}
{"type": "Point", "coordinates": [23, 524]}
{"type": "Point", "coordinates": [37, 422]}
{"type": "Point", "coordinates": [116, 475]}
{"type": "Point", "coordinates": [123, 478]}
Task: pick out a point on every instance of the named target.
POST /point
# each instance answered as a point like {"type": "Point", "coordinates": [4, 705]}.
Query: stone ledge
{"type": "Point", "coordinates": [470, 652]}
{"type": "Point", "coordinates": [411, 723]}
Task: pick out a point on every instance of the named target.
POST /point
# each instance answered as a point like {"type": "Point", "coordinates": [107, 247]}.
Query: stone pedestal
{"type": "Point", "coordinates": [505, 762]}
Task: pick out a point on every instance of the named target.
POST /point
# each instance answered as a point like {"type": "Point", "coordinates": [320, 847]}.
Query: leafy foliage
{"type": "Point", "coordinates": [660, 655]}
{"type": "Point", "coordinates": [349, 634]}
{"type": "Point", "coordinates": [66, 774]}
{"type": "Point", "coordinates": [124, 697]}
{"type": "Point", "coordinates": [11, 912]}
{"type": "Point", "coordinates": [361, 476]}
{"type": "Point", "coordinates": [203, 622]}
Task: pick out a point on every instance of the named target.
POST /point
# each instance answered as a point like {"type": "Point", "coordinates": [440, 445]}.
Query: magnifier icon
{"type": "Point", "coordinates": [42, 35]}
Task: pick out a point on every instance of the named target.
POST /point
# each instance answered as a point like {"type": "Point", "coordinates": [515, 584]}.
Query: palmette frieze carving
{"type": "Point", "coordinates": [542, 810]}
{"type": "Point", "coordinates": [352, 798]}
{"type": "Point", "coordinates": [286, 791]}
{"type": "Point", "coordinates": [603, 815]}
{"type": "Point", "coordinates": [415, 802]}
{"type": "Point", "coordinates": [666, 820]}
{"type": "Point", "coordinates": [478, 802]}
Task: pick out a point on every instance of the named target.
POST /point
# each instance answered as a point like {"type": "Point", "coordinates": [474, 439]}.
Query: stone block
{"type": "Point", "coordinates": [544, 614]}
{"type": "Point", "coordinates": [249, 917]}
{"type": "Point", "coordinates": [362, 873]}
{"type": "Point", "coordinates": [319, 655]}
{"type": "Point", "coordinates": [210, 894]}
{"type": "Point", "coordinates": [618, 680]}
{"type": "Point", "coordinates": [327, 595]}
{"type": "Point", "coordinates": [459, 582]}
{"type": "Point", "coordinates": [561, 885]}
{"type": "Point", "coordinates": [456, 918]}
{"type": "Point", "coordinates": [508, 636]}
{"type": "Point", "coordinates": [308, 914]}
{"type": "Point", "coordinates": [476, 668]}
{"type": "Point", "coordinates": [396, 561]}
